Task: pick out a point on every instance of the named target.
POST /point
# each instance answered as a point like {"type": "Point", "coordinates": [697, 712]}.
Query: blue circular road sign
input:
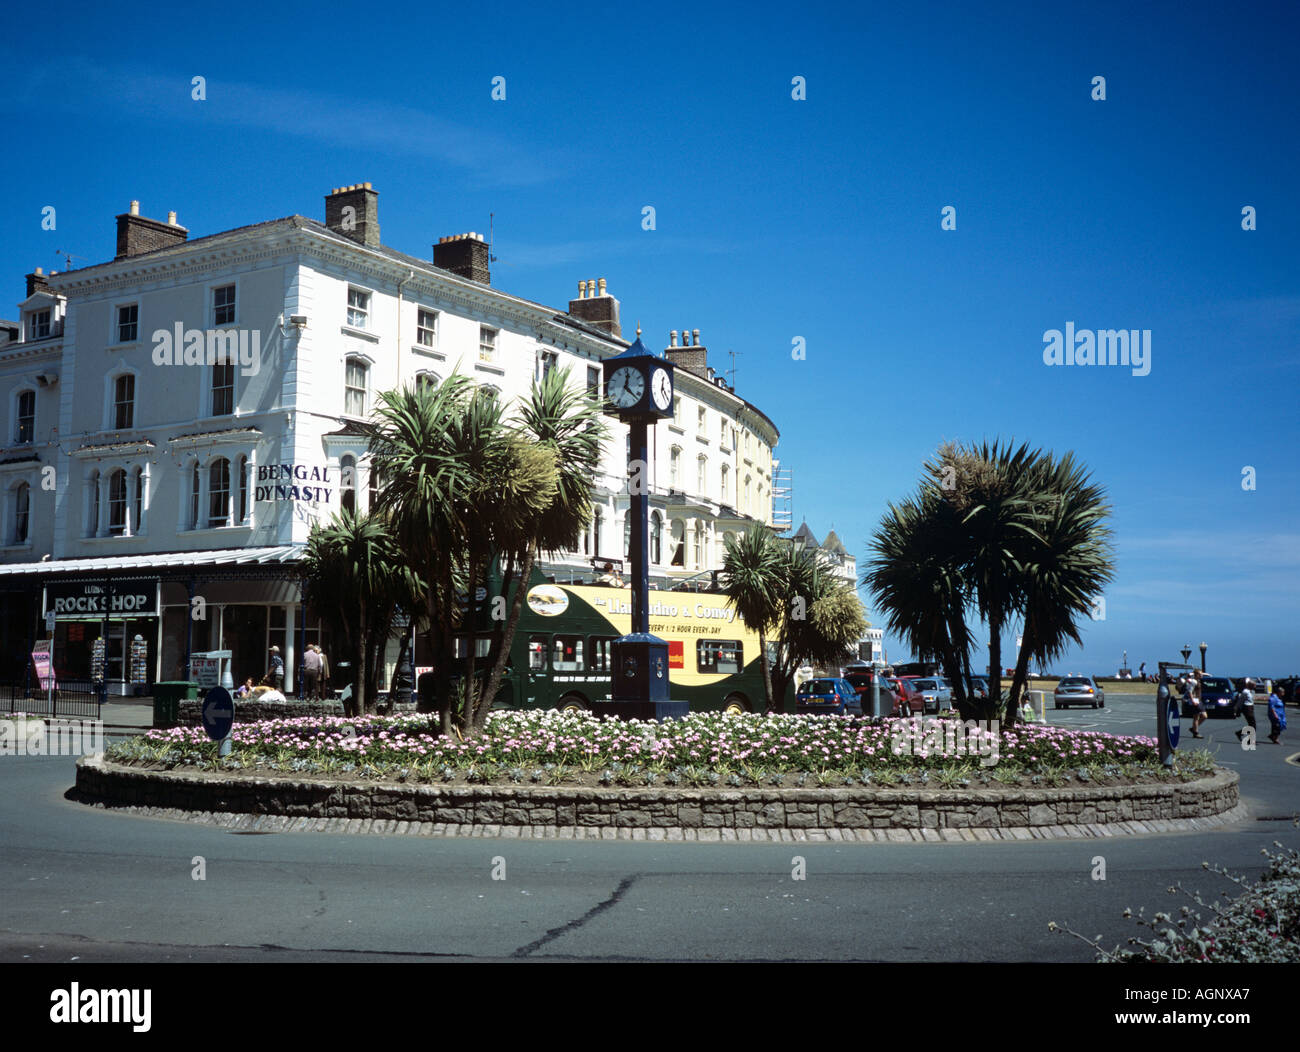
{"type": "Point", "coordinates": [218, 713]}
{"type": "Point", "coordinates": [1172, 722]}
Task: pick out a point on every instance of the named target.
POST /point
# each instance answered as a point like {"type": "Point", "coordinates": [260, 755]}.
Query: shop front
{"type": "Point", "coordinates": [106, 628]}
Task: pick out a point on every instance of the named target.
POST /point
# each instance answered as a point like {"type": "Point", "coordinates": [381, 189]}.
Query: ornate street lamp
{"type": "Point", "coordinates": [1187, 652]}
{"type": "Point", "coordinates": [1203, 647]}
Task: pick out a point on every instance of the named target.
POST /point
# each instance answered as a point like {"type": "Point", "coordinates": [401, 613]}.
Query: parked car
{"type": "Point", "coordinates": [826, 697]}
{"type": "Point", "coordinates": [977, 686]}
{"type": "Point", "coordinates": [935, 691]}
{"type": "Point", "coordinates": [1078, 690]}
{"type": "Point", "coordinates": [860, 679]}
{"type": "Point", "coordinates": [908, 700]}
{"type": "Point", "coordinates": [1217, 698]}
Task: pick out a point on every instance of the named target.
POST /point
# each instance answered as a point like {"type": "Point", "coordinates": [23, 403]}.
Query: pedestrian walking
{"type": "Point", "coordinates": [1245, 706]}
{"type": "Point", "coordinates": [324, 682]}
{"type": "Point", "coordinates": [1276, 718]}
{"type": "Point", "coordinates": [1194, 700]}
{"type": "Point", "coordinates": [275, 675]}
{"type": "Point", "coordinates": [311, 673]}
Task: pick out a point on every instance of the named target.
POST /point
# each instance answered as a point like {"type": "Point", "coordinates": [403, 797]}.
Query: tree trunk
{"type": "Point", "coordinates": [446, 644]}
{"type": "Point", "coordinates": [1020, 678]}
{"type": "Point", "coordinates": [359, 690]}
{"type": "Point", "coordinates": [767, 670]}
{"type": "Point", "coordinates": [995, 666]}
{"type": "Point", "coordinates": [507, 638]}
{"type": "Point", "coordinates": [465, 718]}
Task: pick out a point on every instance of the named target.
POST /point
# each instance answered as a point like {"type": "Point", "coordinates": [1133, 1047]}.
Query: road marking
{"type": "Point", "coordinates": [1294, 759]}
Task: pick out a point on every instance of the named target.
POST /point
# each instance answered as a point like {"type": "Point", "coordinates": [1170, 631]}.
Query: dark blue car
{"type": "Point", "coordinates": [827, 697]}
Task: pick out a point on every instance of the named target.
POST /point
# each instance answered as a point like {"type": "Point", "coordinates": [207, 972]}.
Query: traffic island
{"type": "Point", "coordinates": [271, 802]}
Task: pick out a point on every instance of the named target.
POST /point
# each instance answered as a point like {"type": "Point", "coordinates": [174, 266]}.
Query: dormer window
{"type": "Point", "coordinates": [38, 325]}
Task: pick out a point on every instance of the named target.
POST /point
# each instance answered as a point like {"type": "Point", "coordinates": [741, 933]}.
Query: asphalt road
{"type": "Point", "coordinates": [88, 884]}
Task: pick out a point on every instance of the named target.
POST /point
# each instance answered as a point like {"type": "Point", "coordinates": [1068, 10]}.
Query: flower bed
{"type": "Point", "coordinates": [705, 749]}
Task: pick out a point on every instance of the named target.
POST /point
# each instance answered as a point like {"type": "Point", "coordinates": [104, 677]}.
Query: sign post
{"type": "Point", "coordinates": [219, 717]}
{"type": "Point", "coordinates": [1168, 720]}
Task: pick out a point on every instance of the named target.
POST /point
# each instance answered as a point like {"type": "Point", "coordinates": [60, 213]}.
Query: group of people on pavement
{"type": "Point", "coordinates": [1243, 705]}
{"type": "Point", "coordinates": [315, 676]}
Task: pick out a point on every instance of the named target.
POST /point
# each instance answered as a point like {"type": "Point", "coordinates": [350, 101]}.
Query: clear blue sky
{"type": "Point", "coordinates": [779, 218]}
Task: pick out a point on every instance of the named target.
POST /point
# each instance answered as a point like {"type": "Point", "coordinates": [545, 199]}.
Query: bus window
{"type": "Point", "coordinates": [536, 653]}
{"type": "Point", "coordinates": [567, 654]}
{"type": "Point", "coordinates": [719, 656]}
{"type": "Point", "coordinates": [482, 647]}
{"type": "Point", "coordinates": [600, 658]}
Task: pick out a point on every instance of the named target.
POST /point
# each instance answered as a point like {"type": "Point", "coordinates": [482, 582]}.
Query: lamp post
{"type": "Point", "coordinates": [1203, 647]}
{"type": "Point", "coordinates": [1187, 652]}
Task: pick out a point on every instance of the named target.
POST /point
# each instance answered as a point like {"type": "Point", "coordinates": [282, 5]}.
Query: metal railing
{"type": "Point", "coordinates": [72, 697]}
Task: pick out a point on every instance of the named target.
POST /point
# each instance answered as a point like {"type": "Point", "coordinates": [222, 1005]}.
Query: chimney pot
{"type": "Point", "coordinates": [602, 287]}
{"type": "Point", "coordinates": [695, 338]}
{"type": "Point", "coordinates": [672, 338]}
{"type": "Point", "coordinates": [171, 218]}
{"type": "Point", "coordinates": [38, 272]}
{"type": "Point", "coordinates": [135, 208]}
{"type": "Point", "coordinates": [582, 290]}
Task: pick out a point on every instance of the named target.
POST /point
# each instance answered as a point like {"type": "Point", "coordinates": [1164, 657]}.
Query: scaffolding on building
{"type": "Point", "coordinates": [782, 497]}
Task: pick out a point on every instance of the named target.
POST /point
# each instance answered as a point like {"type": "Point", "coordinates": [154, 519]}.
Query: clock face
{"type": "Point", "coordinates": [626, 387]}
{"type": "Point", "coordinates": [661, 389]}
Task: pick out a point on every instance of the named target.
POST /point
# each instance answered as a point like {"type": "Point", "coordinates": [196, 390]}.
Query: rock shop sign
{"type": "Point", "coordinates": [85, 601]}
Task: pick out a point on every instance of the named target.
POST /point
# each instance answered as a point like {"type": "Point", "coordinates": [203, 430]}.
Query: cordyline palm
{"type": "Point", "coordinates": [991, 487]}
{"type": "Point", "coordinates": [753, 583]}
{"type": "Point", "coordinates": [917, 583]}
{"type": "Point", "coordinates": [425, 491]}
{"type": "Point", "coordinates": [568, 426]}
{"type": "Point", "coordinates": [1068, 567]}
{"type": "Point", "coordinates": [821, 618]}
{"type": "Point", "coordinates": [357, 572]}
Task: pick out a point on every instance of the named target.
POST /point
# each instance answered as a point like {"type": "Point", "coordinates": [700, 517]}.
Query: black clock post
{"type": "Point", "coordinates": [639, 389]}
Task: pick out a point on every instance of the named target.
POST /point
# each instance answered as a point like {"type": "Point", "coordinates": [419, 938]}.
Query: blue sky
{"type": "Point", "coordinates": [778, 219]}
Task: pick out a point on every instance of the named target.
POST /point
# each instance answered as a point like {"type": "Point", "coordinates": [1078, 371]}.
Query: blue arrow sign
{"type": "Point", "coordinates": [218, 713]}
{"type": "Point", "coordinates": [1173, 722]}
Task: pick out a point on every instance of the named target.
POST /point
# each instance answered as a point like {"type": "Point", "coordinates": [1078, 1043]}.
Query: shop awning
{"type": "Point", "coordinates": [280, 555]}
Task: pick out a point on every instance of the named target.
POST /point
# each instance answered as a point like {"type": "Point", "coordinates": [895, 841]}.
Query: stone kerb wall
{"type": "Point", "coordinates": [662, 808]}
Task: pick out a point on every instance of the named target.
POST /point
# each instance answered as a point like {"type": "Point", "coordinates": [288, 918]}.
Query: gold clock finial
{"type": "Point", "coordinates": [638, 327]}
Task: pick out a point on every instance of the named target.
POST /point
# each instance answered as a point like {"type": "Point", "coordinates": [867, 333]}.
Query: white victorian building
{"type": "Point", "coordinates": [178, 417]}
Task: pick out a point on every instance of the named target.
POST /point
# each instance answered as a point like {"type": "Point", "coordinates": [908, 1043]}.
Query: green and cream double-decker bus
{"type": "Point", "coordinates": [561, 658]}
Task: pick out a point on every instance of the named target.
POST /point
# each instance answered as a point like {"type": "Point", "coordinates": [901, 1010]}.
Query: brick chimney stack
{"type": "Point", "coordinates": [137, 234]}
{"type": "Point", "coordinates": [596, 307]}
{"type": "Point", "coordinates": [465, 255]}
{"type": "Point", "coordinates": [353, 211]}
{"type": "Point", "coordinates": [37, 282]}
{"type": "Point", "coordinates": [691, 355]}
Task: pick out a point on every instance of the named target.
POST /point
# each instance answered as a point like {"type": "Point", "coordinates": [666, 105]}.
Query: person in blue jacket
{"type": "Point", "coordinates": [1276, 717]}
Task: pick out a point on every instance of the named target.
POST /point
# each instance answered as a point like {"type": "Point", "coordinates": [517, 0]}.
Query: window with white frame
{"type": "Point", "coordinates": [124, 402]}
{"type": "Point", "coordinates": [356, 386]}
{"type": "Point", "coordinates": [25, 432]}
{"type": "Point", "coordinates": [92, 505]}
{"type": "Point", "coordinates": [128, 323]}
{"type": "Point", "coordinates": [223, 388]}
{"type": "Point", "coordinates": [138, 484]}
{"type": "Point", "coordinates": [426, 383]}
{"type": "Point", "coordinates": [656, 538]}
{"type": "Point", "coordinates": [223, 305]}
{"type": "Point", "coordinates": [677, 410]}
{"type": "Point", "coordinates": [747, 501]}
{"type": "Point", "coordinates": [725, 484]}
{"type": "Point", "coordinates": [674, 467]}
{"type": "Point", "coordinates": [219, 492]}
{"type": "Point", "coordinates": [193, 519]}
{"type": "Point", "coordinates": [22, 495]}
{"type": "Point", "coordinates": [702, 476]}
{"type": "Point", "coordinates": [547, 363]}
{"type": "Point", "coordinates": [702, 419]}
{"type": "Point", "coordinates": [117, 502]}
{"type": "Point", "coordinates": [426, 328]}
{"type": "Point", "coordinates": [593, 382]}
{"type": "Point", "coordinates": [358, 308]}
{"type": "Point", "coordinates": [38, 325]}
{"type": "Point", "coordinates": [487, 344]}
{"type": "Point", "coordinates": [243, 490]}
{"type": "Point", "coordinates": [722, 430]}
{"type": "Point", "coordinates": [348, 482]}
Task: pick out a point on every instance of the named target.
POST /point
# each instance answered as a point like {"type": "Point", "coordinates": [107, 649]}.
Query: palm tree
{"type": "Point", "coordinates": [359, 577]}
{"type": "Point", "coordinates": [832, 620]}
{"type": "Point", "coordinates": [568, 426]}
{"type": "Point", "coordinates": [918, 584]}
{"type": "Point", "coordinates": [1067, 568]}
{"type": "Point", "coordinates": [753, 582]}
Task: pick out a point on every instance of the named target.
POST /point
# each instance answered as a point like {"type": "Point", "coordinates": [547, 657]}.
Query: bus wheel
{"type": "Point", "coordinates": [572, 703]}
{"type": "Point", "coordinates": [735, 705]}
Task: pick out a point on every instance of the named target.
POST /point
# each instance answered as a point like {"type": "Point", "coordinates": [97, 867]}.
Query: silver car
{"type": "Point", "coordinates": [936, 692]}
{"type": "Point", "coordinates": [1078, 690]}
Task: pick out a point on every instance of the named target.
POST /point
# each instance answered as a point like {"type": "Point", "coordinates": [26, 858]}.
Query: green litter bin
{"type": "Point", "coordinates": [167, 697]}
